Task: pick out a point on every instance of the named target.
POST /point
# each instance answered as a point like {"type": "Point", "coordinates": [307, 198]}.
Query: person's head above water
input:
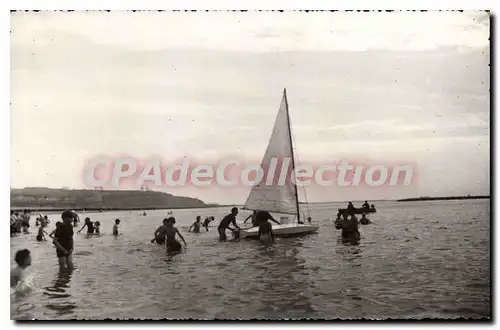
{"type": "Point", "coordinates": [58, 223]}
{"type": "Point", "coordinates": [198, 218]}
{"type": "Point", "coordinates": [363, 215]}
{"type": "Point", "coordinates": [68, 215]}
{"type": "Point", "coordinates": [23, 258]}
{"type": "Point", "coordinates": [165, 221]}
{"type": "Point", "coordinates": [45, 217]}
{"type": "Point", "coordinates": [117, 221]}
{"type": "Point", "coordinates": [87, 219]}
{"type": "Point", "coordinates": [234, 211]}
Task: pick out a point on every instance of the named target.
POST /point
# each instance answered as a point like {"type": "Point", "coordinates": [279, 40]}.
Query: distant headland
{"type": "Point", "coordinates": [48, 199]}
{"type": "Point", "coordinates": [426, 198]}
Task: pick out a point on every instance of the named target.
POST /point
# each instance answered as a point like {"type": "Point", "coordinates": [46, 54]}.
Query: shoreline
{"type": "Point", "coordinates": [450, 198]}
{"type": "Point", "coordinates": [93, 209]}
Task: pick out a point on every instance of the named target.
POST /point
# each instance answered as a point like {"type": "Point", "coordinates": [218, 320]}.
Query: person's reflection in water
{"type": "Point", "coordinates": [354, 281]}
{"type": "Point", "coordinates": [58, 293]}
{"type": "Point", "coordinates": [286, 279]}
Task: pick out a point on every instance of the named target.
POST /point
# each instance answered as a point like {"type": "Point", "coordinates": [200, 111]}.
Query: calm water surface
{"type": "Point", "coordinates": [418, 259]}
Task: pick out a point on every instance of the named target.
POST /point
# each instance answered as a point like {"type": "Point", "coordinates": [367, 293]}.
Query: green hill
{"type": "Point", "coordinates": [46, 198]}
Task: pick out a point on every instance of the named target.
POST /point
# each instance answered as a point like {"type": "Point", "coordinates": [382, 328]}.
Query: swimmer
{"type": "Point", "coordinates": [170, 232]}
{"type": "Point", "coordinates": [196, 225]}
{"type": "Point", "coordinates": [160, 233]}
{"type": "Point", "coordinates": [115, 227]}
{"type": "Point", "coordinates": [23, 261]}
{"type": "Point", "coordinates": [364, 220]}
{"type": "Point", "coordinates": [225, 222]}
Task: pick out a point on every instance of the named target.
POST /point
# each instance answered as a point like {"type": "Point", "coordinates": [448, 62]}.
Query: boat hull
{"type": "Point", "coordinates": [292, 229]}
{"type": "Point", "coordinates": [358, 211]}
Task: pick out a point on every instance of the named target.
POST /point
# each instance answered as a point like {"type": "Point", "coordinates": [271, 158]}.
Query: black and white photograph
{"type": "Point", "coordinates": [250, 165]}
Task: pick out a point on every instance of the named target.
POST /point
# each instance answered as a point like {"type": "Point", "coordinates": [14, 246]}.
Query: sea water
{"type": "Point", "coordinates": [417, 260]}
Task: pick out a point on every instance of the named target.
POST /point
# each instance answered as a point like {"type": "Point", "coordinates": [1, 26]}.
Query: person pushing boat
{"type": "Point", "coordinates": [252, 216]}
{"type": "Point", "coordinates": [225, 222]}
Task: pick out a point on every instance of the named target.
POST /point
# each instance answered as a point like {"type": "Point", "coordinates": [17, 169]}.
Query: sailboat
{"type": "Point", "coordinates": [275, 197]}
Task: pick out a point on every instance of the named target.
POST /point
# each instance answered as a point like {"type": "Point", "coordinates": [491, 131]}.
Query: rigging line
{"type": "Point", "coordinates": [298, 161]}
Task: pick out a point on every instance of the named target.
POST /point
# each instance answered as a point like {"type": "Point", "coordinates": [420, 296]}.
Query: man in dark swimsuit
{"type": "Point", "coordinates": [63, 240]}
{"type": "Point", "coordinates": [263, 217]}
{"type": "Point", "coordinates": [224, 224]}
{"type": "Point", "coordinates": [265, 228]}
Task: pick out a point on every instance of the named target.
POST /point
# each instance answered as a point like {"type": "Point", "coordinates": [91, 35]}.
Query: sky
{"type": "Point", "coordinates": [406, 87]}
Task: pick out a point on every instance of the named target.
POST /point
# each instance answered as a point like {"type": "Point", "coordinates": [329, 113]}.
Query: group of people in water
{"type": "Point", "coordinates": [62, 238]}
{"type": "Point", "coordinates": [166, 234]}
{"type": "Point", "coordinates": [348, 222]}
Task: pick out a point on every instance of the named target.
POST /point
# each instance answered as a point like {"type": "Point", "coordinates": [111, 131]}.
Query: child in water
{"type": "Point", "coordinates": [115, 227]}
{"type": "Point", "coordinates": [97, 224]}
{"type": "Point", "coordinates": [23, 261]}
{"type": "Point", "coordinates": [196, 225]}
{"type": "Point", "coordinates": [58, 224]}
{"type": "Point", "coordinates": [41, 232]}
{"type": "Point", "coordinates": [170, 232]}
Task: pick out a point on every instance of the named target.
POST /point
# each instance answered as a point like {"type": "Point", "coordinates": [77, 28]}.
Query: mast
{"type": "Point", "coordinates": [293, 157]}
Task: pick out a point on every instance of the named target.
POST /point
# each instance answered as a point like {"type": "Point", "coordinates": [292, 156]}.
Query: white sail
{"type": "Point", "coordinates": [279, 197]}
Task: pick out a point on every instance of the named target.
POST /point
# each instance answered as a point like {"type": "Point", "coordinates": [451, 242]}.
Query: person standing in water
{"type": "Point", "coordinates": [97, 226]}
{"type": "Point", "coordinates": [25, 221]}
{"type": "Point", "coordinates": [23, 261]}
{"type": "Point", "coordinates": [160, 233]}
{"type": "Point", "coordinates": [173, 245]}
{"type": "Point", "coordinates": [196, 225]}
{"type": "Point", "coordinates": [263, 217]}
{"type": "Point", "coordinates": [41, 232]}
{"type": "Point", "coordinates": [265, 228]}
{"type": "Point", "coordinates": [115, 227]}
{"type": "Point", "coordinates": [207, 222]}
{"type": "Point", "coordinates": [63, 240]}
{"type": "Point", "coordinates": [225, 222]}
{"type": "Point", "coordinates": [90, 226]}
